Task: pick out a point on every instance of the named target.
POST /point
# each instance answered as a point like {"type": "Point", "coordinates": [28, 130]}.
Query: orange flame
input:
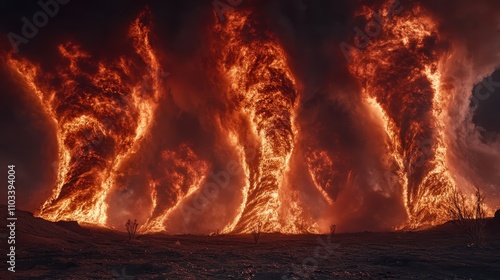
{"type": "Point", "coordinates": [183, 175]}
{"type": "Point", "coordinates": [401, 82]}
{"type": "Point", "coordinates": [101, 113]}
{"type": "Point", "coordinates": [263, 90]}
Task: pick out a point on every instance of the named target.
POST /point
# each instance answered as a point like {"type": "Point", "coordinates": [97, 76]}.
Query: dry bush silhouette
{"type": "Point", "coordinates": [469, 215]}
{"type": "Point", "coordinates": [131, 228]}
{"type": "Point", "coordinates": [332, 229]}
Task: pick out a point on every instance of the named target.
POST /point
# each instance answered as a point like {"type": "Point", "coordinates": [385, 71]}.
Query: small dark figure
{"type": "Point", "coordinates": [256, 234]}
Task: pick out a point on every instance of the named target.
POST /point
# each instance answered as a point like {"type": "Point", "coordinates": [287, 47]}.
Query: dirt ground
{"type": "Point", "coordinates": [46, 250]}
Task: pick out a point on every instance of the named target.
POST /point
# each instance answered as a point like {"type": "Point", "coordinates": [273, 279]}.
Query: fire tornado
{"type": "Point", "coordinates": [392, 136]}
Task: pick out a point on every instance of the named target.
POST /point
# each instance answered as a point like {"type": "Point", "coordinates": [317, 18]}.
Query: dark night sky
{"type": "Point", "coordinates": [487, 115]}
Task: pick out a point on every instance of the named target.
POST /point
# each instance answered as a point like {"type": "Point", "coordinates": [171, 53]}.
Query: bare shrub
{"type": "Point", "coordinates": [332, 230]}
{"type": "Point", "coordinates": [256, 233]}
{"type": "Point", "coordinates": [303, 228]}
{"type": "Point", "coordinates": [469, 215]}
{"type": "Point", "coordinates": [131, 228]}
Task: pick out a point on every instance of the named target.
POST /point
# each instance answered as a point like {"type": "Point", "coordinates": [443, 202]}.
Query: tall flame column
{"type": "Point", "coordinates": [263, 90]}
{"type": "Point", "coordinates": [399, 74]}
{"type": "Point", "coordinates": [101, 111]}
